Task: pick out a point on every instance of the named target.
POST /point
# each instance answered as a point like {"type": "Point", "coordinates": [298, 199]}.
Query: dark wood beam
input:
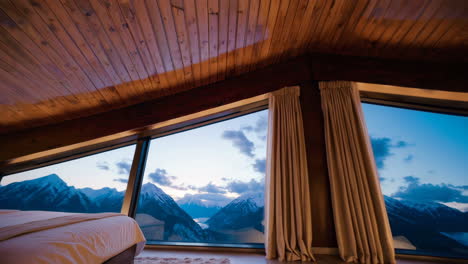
{"type": "Point", "coordinates": [437, 76]}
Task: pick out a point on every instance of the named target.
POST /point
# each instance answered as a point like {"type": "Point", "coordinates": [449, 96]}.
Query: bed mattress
{"type": "Point", "coordinates": [90, 241]}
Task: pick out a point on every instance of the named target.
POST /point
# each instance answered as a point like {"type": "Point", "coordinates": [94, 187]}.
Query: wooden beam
{"type": "Point", "coordinates": [437, 76]}
{"type": "Point", "coordinates": [70, 132]}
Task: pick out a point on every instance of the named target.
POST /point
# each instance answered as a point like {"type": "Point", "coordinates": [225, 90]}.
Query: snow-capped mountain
{"type": "Point", "coordinates": [197, 208]}
{"type": "Point", "coordinates": [105, 199]}
{"type": "Point", "coordinates": [243, 212]}
{"type": "Point", "coordinates": [178, 225]}
{"type": "Point", "coordinates": [423, 224]}
{"type": "Point", "coordinates": [45, 193]}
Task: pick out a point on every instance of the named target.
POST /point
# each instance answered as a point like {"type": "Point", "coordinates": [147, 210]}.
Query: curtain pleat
{"type": "Point", "coordinates": [288, 208]}
{"type": "Point", "coordinates": [361, 222]}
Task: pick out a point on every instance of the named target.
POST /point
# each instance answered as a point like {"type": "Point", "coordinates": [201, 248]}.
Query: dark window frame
{"type": "Point", "coordinates": [428, 105]}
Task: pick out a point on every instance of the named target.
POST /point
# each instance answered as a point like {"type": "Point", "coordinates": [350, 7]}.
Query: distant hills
{"type": "Point", "coordinates": [426, 226]}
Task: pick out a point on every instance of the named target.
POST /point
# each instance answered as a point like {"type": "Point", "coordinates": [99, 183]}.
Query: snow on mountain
{"type": "Point", "coordinates": [178, 225]}
{"type": "Point", "coordinates": [243, 212]}
{"type": "Point", "coordinates": [197, 207]}
{"type": "Point", "coordinates": [46, 193]}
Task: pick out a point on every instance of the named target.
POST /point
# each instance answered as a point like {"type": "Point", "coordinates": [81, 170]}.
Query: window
{"type": "Point", "coordinates": [422, 160]}
{"type": "Point", "coordinates": [206, 185]}
{"type": "Point", "coordinates": [90, 184]}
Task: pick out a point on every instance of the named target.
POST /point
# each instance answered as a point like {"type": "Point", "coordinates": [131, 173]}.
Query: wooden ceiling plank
{"type": "Point", "coordinates": [295, 29]}
{"type": "Point", "coordinates": [376, 18]}
{"type": "Point", "coordinates": [175, 74]}
{"type": "Point", "coordinates": [334, 22]}
{"type": "Point", "coordinates": [301, 39]}
{"type": "Point", "coordinates": [21, 39]}
{"type": "Point", "coordinates": [358, 26]}
{"type": "Point", "coordinates": [34, 27]}
{"type": "Point", "coordinates": [117, 29]}
{"type": "Point", "coordinates": [223, 30]}
{"type": "Point", "coordinates": [406, 14]}
{"type": "Point", "coordinates": [90, 29]}
{"type": "Point", "coordinates": [183, 41]}
{"type": "Point", "coordinates": [260, 32]}
{"type": "Point", "coordinates": [232, 34]}
{"type": "Point", "coordinates": [57, 12]}
{"type": "Point", "coordinates": [23, 68]}
{"type": "Point", "coordinates": [176, 52]}
{"type": "Point", "coordinates": [192, 37]}
{"type": "Point", "coordinates": [26, 64]}
{"type": "Point", "coordinates": [253, 16]}
{"type": "Point", "coordinates": [103, 27]}
{"type": "Point", "coordinates": [35, 55]}
{"type": "Point", "coordinates": [213, 30]}
{"type": "Point", "coordinates": [276, 11]}
{"type": "Point", "coordinates": [399, 14]}
{"type": "Point", "coordinates": [201, 7]}
{"type": "Point", "coordinates": [242, 20]}
{"type": "Point", "coordinates": [132, 27]}
{"type": "Point", "coordinates": [350, 24]}
{"type": "Point", "coordinates": [430, 10]}
{"type": "Point", "coordinates": [320, 9]}
{"type": "Point", "coordinates": [285, 16]}
{"type": "Point", "coordinates": [92, 70]}
{"type": "Point", "coordinates": [25, 92]}
{"type": "Point", "coordinates": [166, 76]}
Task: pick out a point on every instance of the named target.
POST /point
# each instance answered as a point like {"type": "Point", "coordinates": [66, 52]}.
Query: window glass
{"type": "Point", "coordinates": [422, 160]}
{"type": "Point", "coordinates": [206, 185]}
{"type": "Point", "coordinates": [91, 184]}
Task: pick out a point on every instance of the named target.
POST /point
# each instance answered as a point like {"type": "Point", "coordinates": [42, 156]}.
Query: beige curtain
{"type": "Point", "coordinates": [288, 209]}
{"type": "Point", "coordinates": [362, 227]}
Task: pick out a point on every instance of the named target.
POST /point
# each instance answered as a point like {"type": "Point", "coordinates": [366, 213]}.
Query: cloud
{"type": "Point", "coordinates": [261, 125]}
{"type": "Point", "coordinates": [240, 141]}
{"type": "Point", "coordinates": [122, 180]}
{"type": "Point", "coordinates": [260, 165]}
{"type": "Point", "coordinates": [444, 193]}
{"type": "Point", "coordinates": [124, 167]}
{"type": "Point", "coordinates": [401, 144]}
{"type": "Point", "coordinates": [211, 188]}
{"type": "Point", "coordinates": [103, 165]}
{"type": "Point", "coordinates": [243, 187]}
{"type": "Point", "coordinates": [409, 158]}
{"type": "Point", "coordinates": [160, 177]}
{"type": "Point", "coordinates": [382, 149]}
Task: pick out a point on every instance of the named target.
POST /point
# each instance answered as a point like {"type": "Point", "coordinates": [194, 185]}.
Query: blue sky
{"type": "Point", "coordinates": [420, 155]}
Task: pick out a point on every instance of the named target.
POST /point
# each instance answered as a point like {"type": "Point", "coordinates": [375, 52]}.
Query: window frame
{"type": "Point", "coordinates": [427, 105]}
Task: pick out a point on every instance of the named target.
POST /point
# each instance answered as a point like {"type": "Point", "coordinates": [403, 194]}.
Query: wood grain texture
{"type": "Point", "coordinates": [66, 59]}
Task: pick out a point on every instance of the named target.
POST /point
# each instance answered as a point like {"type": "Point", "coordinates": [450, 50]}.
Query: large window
{"type": "Point", "coordinates": [422, 160]}
{"type": "Point", "coordinates": [206, 185]}
{"type": "Point", "coordinates": [90, 184]}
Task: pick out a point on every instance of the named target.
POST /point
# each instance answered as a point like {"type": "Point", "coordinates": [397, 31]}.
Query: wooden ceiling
{"type": "Point", "coordinates": [64, 59]}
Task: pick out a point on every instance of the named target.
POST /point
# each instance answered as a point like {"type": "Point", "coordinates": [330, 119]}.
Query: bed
{"type": "Point", "coordinates": [55, 237]}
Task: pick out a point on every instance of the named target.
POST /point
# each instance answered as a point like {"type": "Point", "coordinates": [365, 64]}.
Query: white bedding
{"type": "Point", "coordinates": [86, 242]}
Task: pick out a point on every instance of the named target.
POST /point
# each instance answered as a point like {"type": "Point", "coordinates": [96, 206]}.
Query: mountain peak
{"type": "Point", "coordinates": [51, 179]}
{"type": "Point", "coordinates": [150, 188]}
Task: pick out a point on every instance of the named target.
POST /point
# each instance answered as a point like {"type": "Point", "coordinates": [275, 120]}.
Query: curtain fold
{"type": "Point", "coordinates": [361, 222]}
{"type": "Point", "coordinates": [288, 208]}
